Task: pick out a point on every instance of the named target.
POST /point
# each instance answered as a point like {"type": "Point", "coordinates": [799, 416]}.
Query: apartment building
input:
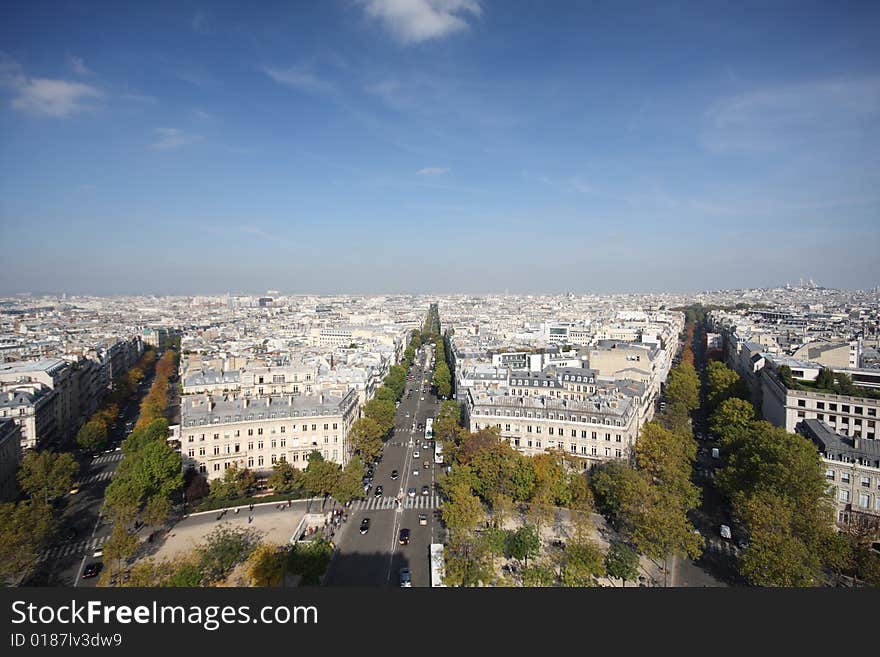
{"type": "Point", "coordinates": [570, 409]}
{"type": "Point", "coordinates": [852, 468]}
{"type": "Point", "coordinates": [855, 417]}
{"type": "Point", "coordinates": [10, 458]}
{"type": "Point", "coordinates": [257, 432]}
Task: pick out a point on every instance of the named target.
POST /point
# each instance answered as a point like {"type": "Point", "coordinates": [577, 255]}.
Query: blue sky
{"type": "Point", "coordinates": [438, 146]}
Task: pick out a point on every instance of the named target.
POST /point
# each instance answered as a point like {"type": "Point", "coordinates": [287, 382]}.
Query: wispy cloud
{"type": "Point", "coordinates": [299, 77]}
{"type": "Point", "coordinates": [46, 97]}
{"type": "Point", "coordinates": [170, 138]}
{"type": "Point", "coordinates": [78, 66]}
{"type": "Point", "coordinates": [432, 171]}
{"type": "Point", "coordinates": [139, 98]}
{"type": "Point", "coordinates": [201, 22]}
{"type": "Point", "coordinates": [794, 114]}
{"type": "Point", "coordinates": [202, 114]}
{"type": "Point", "coordinates": [413, 21]}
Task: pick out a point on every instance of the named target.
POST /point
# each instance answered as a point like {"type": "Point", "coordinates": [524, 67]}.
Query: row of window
{"type": "Point", "coordinates": [236, 447]}
{"type": "Point", "coordinates": [864, 480]}
{"type": "Point", "coordinates": [584, 449]}
{"type": "Point", "coordinates": [260, 461]}
{"type": "Point", "coordinates": [550, 416]}
{"type": "Point", "coordinates": [845, 497]}
{"type": "Point", "coordinates": [870, 411]}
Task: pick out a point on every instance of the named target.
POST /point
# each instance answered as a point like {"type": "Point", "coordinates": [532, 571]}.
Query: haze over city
{"type": "Point", "coordinates": [462, 146]}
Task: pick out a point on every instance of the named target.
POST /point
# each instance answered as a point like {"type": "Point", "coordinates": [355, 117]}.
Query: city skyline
{"type": "Point", "coordinates": [466, 145]}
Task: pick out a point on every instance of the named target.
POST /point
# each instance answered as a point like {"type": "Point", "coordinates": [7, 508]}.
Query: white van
{"type": "Point", "coordinates": [716, 454]}
{"type": "Point", "coordinates": [725, 532]}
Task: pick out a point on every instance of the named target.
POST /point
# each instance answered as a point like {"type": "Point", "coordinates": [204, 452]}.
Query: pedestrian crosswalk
{"type": "Point", "coordinates": [107, 458]}
{"type": "Point", "coordinates": [73, 548]}
{"type": "Point", "coordinates": [386, 502]}
{"type": "Point", "coordinates": [101, 476]}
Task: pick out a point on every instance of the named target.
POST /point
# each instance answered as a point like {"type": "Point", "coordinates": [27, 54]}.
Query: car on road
{"type": "Point", "coordinates": [426, 465]}
{"type": "Point", "coordinates": [426, 446]}
{"type": "Point", "coordinates": [394, 474]}
{"type": "Point", "coordinates": [92, 570]}
{"type": "Point", "coordinates": [716, 453]}
{"type": "Point", "coordinates": [97, 554]}
{"type": "Point", "coordinates": [365, 525]}
{"type": "Point", "coordinates": [423, 518]}
{"type": "Point", "coordinates": [426, 490]}
{"type": "Point", "coordinates": [415, 472]}
{"type": "Point", "coordinates": [699, 436]}
{"type": "Point", "coordinates": [405, 578]}
{"type": "Point", "coordinates": [378, 492]}
{"type": "Point", "coordinates": [411, 492]}
{"type": "Point", "coordinates": [416, 454]}
{"type": "Point", "coordinates": [74, 490]}
{"type": "Point", "coordinates": [423, 399]}
{"type": "Point", "coordinates": [403, 539]}
{"type": "Point", "coordinates": [725, 532]}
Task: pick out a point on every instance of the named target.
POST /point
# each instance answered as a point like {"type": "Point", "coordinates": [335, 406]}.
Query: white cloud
{"type": "Point", "coordinates": [45, 97]}
{"type": "Point", "coordinates": [202, 114]}
{"type": "Point", "coordinates": [432, 171]}
{"type": "Point", "coordinates": [299, 77]}
{"type": "Point", "coordinates": [169, 138]}
{"type": "Point", "coordinates": [413, 21]}
{"type": "Point", "coordinates": [793, 114]}
{"type": "Point", "coordinates": [78, 66]}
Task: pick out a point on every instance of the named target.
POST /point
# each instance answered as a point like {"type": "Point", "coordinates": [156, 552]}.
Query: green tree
{"type": "Point", "coordinates": [683, 387]}
{"type": "Point", "coordinates": [92, 436]}
{"type": "Point", "coordinates": [267, 565]}
{"type": "Point", "coordinates": [156, 510]}
{"type": "Point", "coordinates": [467, 561]}
{"type": "Point", "coordinates": [731, 420]}
{"type": "Point", "coordinates": [348, 483]}
{"type": "Point", "coordinates": [386, 394]}
{"type": "Point", "coordinates": [122, 498]}
{"type": "Point", "coordinates": [47, 475]}
{"type": "Point", "coordinates": [523, 543]}
{"type": "Point", "coordinates": [723, 383]}
{"type": "Point", "coordinates": [776, 555]}
{"type": "Point", "coordinates": [320, 476]}
{"type": "Point", "coordinates": [583, 562]}
{"type": "Point", "coordinates": [121, 546]}
{"type": "Point", "coordinates": [223, 549]}
{"type": "Point", "coordinates": [538, 575]}
{"type": "Point", "coordinates": [382, 411]}
{"type": "Point", "coordinates": [285, 478]}
{"type": "Point", "coordinates": [622, 562]}
{"type": "Point", "coordinates": [463, 511]}
{"type": "Point", "coordinates": [365, 438]}
{"type": "Point", "coordinates": [25, 529]}
{"type": "Point", "coordinates": [158, 469]}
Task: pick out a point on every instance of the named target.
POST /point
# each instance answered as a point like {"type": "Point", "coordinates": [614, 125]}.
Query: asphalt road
{"type": "Point", "coordinates": [375, 558]}
{"type": "Point", "coordinates": [81, 527]}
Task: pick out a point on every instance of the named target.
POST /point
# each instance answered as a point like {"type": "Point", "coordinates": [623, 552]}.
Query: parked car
{"type": "Point", "coordinates": [716, 453]}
